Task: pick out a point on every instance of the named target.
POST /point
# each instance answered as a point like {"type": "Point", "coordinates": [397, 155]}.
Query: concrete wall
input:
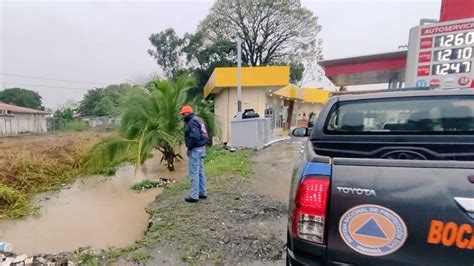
{"type": "Point", "coordinates": [101, 120]}
{"type": "Point", "coordinates": [22, 123]}
{"type": "Point", "coordinates": [225, 104]}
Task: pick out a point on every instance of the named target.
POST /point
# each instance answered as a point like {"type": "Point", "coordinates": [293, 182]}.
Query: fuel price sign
{"type": "Point", "coordinates": [442, 54]}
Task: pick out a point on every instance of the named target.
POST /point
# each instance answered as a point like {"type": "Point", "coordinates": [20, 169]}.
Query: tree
{"type": "Point", "coordinates": [22, 97]}
{"type": "Point", "coordinates": [271, 31]}
{"type": "Point", "coordinates": [168, 51]}
{"type": "Point", "coordinates": [106, 101]}
{"type": "Point", "coordinates": [296, 72]}
{"type": "Point", "coordinates": [151, 121]}
{"type": "Point", "coordinates": [63, 117]}
{"type": "Point", "coordinates": [64, 114]}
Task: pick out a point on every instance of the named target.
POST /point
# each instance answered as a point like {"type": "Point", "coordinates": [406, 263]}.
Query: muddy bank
{"type": "Point", "coordinates": [232, 226]}
{"type": "Point", "coordinates": [243, 222]}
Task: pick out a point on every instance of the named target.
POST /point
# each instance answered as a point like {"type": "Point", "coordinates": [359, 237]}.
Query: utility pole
{"type": "Point", "coordinates": [239, 76]}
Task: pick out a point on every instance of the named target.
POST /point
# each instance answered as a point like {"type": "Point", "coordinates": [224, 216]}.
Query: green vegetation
{"type": "Point", "coordinates": [91, 258]}
{"type": "Point", "coordinates": [107, 101]}
{"type": "Point", "coordinates": [15, 203]}
{"type": "Point", "coordinates": [220, 161]}
{"type": "Point", "coordinates": [86, 258]}
{"type": "Point", "coordinates": [144, 185]}
{"type": "Point", "coordinates": [63, 120]}
{"type": "Point", "coordinates": [65, 114]}
{"type": "Point", "coordinates": [22, 97]}
{"type": "Point", "coordinates": [151, 121]}
{"type": "Point", "coordinates": [272, 33]}
{"type": "Point", "coordinates": [75, 126]}
{"type": "Point", "coordinates": [105, 157]}
{"type": "Point", "coordinates": [32, 167]}
{"type": "Point", "coordinates": [219, 165]}
{"type": "Point", "coordinates": [140, 256]}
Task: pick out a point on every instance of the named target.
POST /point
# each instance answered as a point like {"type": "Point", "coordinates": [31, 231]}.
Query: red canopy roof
{"type": "Point", "coordinates": [367, 69]}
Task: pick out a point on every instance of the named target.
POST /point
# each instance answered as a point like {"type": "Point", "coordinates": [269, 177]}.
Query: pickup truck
{"type": "Point", "coordinates": [386, 179]}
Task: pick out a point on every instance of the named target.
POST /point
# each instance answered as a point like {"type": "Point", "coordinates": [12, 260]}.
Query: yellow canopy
{"type": "Point", "coordinates": [266, 76]}
{"type": "Point", "coordinates": [316, 95]}
{"type": "Point", "coordinates": [291, 91]}
{"type": "Point", "coordinates": [307, 95]}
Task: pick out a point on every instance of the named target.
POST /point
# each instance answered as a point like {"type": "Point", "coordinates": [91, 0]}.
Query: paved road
{"type": "Point", "coordinates": [273, 167]}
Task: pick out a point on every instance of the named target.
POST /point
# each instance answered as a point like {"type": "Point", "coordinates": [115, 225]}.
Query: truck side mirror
{"type": "Point", "coordinates": [300, 132]}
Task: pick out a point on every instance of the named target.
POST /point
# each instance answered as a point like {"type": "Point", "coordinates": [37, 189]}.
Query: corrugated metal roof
{"type": "Point", "coordinates": [18, 109]}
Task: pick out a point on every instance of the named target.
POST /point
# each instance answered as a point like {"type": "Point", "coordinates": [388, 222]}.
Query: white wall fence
{"type": "Point", "coordinates": [11, 125]}
{"type": "Point", "coordinates": [101, 120]}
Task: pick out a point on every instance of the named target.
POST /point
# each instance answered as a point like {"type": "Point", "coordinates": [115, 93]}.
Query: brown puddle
{"type": "Point", "coordinates": [96, 211]}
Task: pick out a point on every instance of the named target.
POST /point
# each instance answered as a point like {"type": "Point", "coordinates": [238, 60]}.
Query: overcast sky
{"type": "Point", "coordinates": [106, 42]}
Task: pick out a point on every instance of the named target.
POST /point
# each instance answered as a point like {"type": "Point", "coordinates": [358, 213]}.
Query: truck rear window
{"type": "Point", "coordinates": [428, 115]}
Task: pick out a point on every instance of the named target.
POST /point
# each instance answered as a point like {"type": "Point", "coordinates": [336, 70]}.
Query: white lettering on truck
{"type": "Point", "coordinates": [357, 191]}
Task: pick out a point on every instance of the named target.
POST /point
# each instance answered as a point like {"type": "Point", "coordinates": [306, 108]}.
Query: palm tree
{"type": "Point", "coordinates": [151, 121]}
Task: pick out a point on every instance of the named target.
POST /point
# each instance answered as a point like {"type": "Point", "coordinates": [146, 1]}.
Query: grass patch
{"type": "Point", "coordinates": [12, 202]}
{"type": "Point", "coordinates": [114, 254]}
{"type": "Point", "coordinates": [140, 256]}
{"type": "Point", "coordinates": [31, 166]}
{"type": "Point", "coordinates": [86, 258]}
{"type": "Point", "coordinates": [107, 257]}
{"type": "Point", "coordinates": [220, 161]}
{"type": "Point", "coordinates": [75, 126]}
{"type": "Point", "coordinates": [177, 187]}
{"type": "Point", "coordinates": [144, 185]}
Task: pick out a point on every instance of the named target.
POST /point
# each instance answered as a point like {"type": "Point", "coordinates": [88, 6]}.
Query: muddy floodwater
{"type": "Point", "coordinates": [94, 211]}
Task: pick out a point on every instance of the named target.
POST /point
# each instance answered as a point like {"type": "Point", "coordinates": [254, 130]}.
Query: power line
{"type": "Point", "coordinates": [37, 85]}
{"type": "Point", "coordinates": [63, 80]}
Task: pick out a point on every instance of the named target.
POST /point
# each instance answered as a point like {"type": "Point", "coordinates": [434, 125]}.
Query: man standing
{"type": "Point", "coordinates": [196, 138]}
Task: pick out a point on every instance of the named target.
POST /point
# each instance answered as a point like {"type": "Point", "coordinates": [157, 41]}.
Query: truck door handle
{"type": "Point", "coordinates": [467, 204]}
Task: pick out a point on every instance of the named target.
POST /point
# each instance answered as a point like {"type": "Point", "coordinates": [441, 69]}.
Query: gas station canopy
{"type": "Point", "coordinates": [307, 95]}
{"type": "Point", "coordinates": [368, 69]}
{"type": "Point", "coordinates": [439, 53]}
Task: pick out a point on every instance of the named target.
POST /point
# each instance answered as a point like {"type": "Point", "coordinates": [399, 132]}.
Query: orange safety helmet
{"type": "Point", "coordinates": [186, 109]}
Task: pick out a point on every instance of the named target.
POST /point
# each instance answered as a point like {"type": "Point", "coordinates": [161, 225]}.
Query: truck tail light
{"type": "Point", "coordinates": [309, 215]}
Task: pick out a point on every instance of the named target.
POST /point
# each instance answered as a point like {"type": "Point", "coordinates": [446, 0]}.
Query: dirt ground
{"type": "Point", "coordinates": [241, 223]}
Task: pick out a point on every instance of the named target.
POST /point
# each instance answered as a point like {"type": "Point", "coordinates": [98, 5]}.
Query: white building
{"type": "Point", "coordinates": [15, 120]}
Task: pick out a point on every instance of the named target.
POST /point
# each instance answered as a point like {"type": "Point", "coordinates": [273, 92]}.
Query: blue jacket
{"type": "Point", "coordinates": [195, 134]}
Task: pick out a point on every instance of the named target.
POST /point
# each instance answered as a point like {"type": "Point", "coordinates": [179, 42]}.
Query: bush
{"type": "Point", "coordinates": [75, 126]}
{"type": "Point", "coordinates": [12, 203]}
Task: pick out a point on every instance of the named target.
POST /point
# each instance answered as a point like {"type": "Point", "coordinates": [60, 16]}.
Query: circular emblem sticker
{"type": "Point", "coordinates": [372, 230]}
{"type": "Point", "coordinates": [435, 83]}
{"type": "Point", "coordinates": [463, 81]}
{"type": "Point", "coordinates": [421, 83]}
